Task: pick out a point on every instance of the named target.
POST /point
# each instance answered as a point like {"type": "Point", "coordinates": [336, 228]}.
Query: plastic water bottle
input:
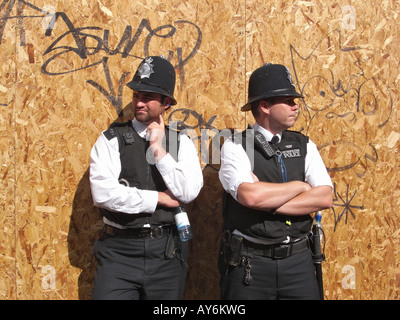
{"type": "Point", "coordinates": [183, 224]}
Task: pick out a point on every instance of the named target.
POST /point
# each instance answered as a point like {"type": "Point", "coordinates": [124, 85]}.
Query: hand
{"type": "Point", "coordinates": [307, 187]}
{"type": "Point", "coordinates": [155, 134]}
{"type": "Point", "coordinates": [255, 178]}
{"type": "Point", "coordinates": [167, 199]}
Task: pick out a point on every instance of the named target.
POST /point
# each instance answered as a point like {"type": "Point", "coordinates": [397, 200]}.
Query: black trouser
{"type": "Point", "coordinates": [132, 269]}
{"type": "Point", "coordinates": [288, 278]}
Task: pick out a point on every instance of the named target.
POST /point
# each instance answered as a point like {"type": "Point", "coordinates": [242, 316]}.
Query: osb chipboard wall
{"type": "Point", "coordinates": [64, 69]}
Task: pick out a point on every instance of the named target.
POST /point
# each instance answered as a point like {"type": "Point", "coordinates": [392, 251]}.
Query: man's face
{"type": "Point", "coordinates": [147, 106]}
{"type": "Point", "coordinates": [282, 113]}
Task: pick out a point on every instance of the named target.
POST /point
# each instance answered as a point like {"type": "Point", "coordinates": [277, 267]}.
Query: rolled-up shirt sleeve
{"type": "Point", "coordinates": [235, 167]}
{"type": "Point", "coordinates": [315, 171]}
{"type": "Point", "coordinates": [184, 177]}
{"type": "Point", "coordinates": [107, 192]}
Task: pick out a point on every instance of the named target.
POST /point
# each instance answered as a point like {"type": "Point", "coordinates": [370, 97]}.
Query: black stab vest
{"type": "Point", "coordinates": [265, 225]}
{"type": "Point", "coordinates": [137, 171]}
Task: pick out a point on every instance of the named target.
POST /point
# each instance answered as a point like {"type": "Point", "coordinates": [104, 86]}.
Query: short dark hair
{"type": "Point", "coordinates": [254, 108]}
{"type": "Point", "coordinates": [254, 105]}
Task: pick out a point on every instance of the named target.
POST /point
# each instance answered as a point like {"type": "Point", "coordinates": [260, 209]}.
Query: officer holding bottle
{"type": "Point", "coordinates": [141, 173]}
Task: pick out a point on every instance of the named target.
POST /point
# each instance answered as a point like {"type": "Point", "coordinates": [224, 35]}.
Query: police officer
{"type": "Point", "coordinates": [274, 179]}
{"type": "Point", "coordinates": [140, 172]}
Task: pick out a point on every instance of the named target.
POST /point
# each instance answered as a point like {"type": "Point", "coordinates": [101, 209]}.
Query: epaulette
{"type": "Point", "coordinates": [299, 133]}
{"type": "Point", "coordinates": [111, 132]}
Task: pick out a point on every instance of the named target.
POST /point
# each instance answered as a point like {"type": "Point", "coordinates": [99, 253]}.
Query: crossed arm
{"type": "Point", "coordinates": [291, 198]}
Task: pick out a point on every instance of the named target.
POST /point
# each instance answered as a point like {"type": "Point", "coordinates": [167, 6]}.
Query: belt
{"type": "Point", "coordinates": [138, 233]}
{"type": "Point", "coordinates": [278, 251]}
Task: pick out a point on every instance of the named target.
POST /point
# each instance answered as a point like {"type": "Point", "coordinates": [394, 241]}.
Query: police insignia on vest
{"type": "Point", "coordinates": [146, 68]}
{"type": "Point", "coordinates": [294, 153]}
{"type": "Point", "coordinates": [129, 137]}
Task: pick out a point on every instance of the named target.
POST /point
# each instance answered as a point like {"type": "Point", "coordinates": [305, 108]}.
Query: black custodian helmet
{"type": "Point", "coordinates": [155, 74]}
{"type": "Point", "coordinates": [270, 80]}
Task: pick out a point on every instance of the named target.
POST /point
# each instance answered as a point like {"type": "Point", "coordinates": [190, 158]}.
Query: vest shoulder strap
{"type": "Point", "coordinates": [296, 135]}
{"type": "Point", "coordinates": [127, 135]}
{"type": "Point", "coordinates": [121, 130]}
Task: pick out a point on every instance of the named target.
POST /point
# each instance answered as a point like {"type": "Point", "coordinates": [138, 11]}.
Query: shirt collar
{"type": "Point", "coordinates": [140, 128]}
{"type": "Point", "coordinates": [268, 135]}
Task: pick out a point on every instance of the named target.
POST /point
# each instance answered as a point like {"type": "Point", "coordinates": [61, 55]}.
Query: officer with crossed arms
{"type": "Point", "coordinates": [270, 196]}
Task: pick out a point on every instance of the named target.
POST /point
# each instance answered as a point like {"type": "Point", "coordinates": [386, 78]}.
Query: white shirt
{"type": "Point", "coordinates": [183, 178]}
{"type": "Point", "coordinates": [236, 166]}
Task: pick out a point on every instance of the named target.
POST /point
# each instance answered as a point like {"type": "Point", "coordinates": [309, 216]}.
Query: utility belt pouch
{"type": "Point", "coordinates": [231, 248]}
{"type": "Point", "coordinates": [235, 250]}
{"type": "Point", "coordinates": [172, 245]}
{"type": "Point", "coordinates": [315, 245]}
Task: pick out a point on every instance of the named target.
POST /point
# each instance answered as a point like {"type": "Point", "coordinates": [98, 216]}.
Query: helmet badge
{"type": "Point", "coordinates": [289, 76]}
{"type": "Point", "coordinates": [146, 68]}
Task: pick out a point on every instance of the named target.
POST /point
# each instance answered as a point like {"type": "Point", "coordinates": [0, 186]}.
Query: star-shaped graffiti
{"type": "Point", "coordinates": [346, 204]}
